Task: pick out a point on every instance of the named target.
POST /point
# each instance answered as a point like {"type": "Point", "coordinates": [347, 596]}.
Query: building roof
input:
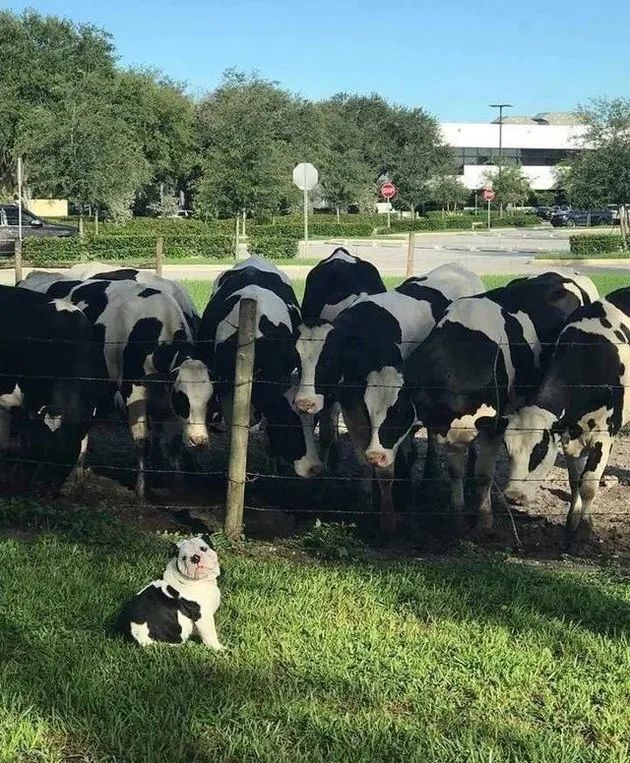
{"type": "Point", "coordinates": [557, 118]}
{"type": "Point", "coordinates": [514, 119]}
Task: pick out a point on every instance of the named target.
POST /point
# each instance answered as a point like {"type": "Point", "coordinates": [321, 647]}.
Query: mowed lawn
{"type": "Point", "coordinates": [471, 658]}
{"type": "Point", "coordinates": [201, 290]}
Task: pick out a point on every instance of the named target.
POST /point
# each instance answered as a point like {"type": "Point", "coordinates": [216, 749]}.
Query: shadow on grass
{"type": "Point", "coordinates": [265, 701]}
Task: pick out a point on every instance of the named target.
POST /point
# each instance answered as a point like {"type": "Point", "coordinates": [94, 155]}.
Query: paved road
{"type": "Point", "coordinates": [506, 251]}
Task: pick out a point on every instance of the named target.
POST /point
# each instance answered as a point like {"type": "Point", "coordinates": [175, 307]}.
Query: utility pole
{"type": "Point", "coordinates": [500, 106]}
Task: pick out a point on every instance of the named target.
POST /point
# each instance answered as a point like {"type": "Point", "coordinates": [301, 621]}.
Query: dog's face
{"type": "Point", "coordinates": [196, 558]}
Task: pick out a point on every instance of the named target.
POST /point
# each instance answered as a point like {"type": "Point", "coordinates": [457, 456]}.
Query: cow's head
{"type": "Point", "coordinates": [531, 439]}
{"type": "Point", "coordinates": [390, 412]}
{"type": "Point", "coordinates": [191, 393]}
{"type": "Point", "coordinates": [319, 366]}
{"type": "Point", "coordinates": [291, 435]}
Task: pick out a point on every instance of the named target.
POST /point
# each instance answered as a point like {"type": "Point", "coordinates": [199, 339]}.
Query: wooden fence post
{"type": "Point", "coordinates": [17, 262]}
{"type": "Point", "coordinates": [159, 252]}
{"type": "Point", "coordinates": [411, 253]}
{"type": "Point", "coordinates": [239, 433]}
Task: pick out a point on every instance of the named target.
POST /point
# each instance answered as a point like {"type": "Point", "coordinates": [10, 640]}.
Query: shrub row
{"type": "Point", "coordinates": [437, 222]}
{"type": "Point", "coordinates": [277, 246]}
{"type": "Point", "coordinates": [46, 251]}
{"type": "Point", "coordinates": [586, 245]}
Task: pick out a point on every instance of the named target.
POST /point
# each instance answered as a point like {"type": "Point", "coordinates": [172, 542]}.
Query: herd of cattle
{"type": "Point", "coordinates": [539, 363]}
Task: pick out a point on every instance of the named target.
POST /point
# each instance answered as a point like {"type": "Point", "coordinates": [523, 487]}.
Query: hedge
{"type": "Point", "coordinates": [437, 222]}
{"type": "Point", "coordinates": [276, 246]}
{"type": "Point", "coordinates": [42, 252]}
{"type": "Point", "coordinates": [586, 245]}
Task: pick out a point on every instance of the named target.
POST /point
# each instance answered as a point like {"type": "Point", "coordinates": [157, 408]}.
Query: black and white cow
{"type": "Point", "coordinates": [290, 435]}
{"type": "Point", "coordinates": [52, 376]}
{"type": "Point", "coordinates": [335, 283]}
{"type": "Point", "coordinates": [149, 352]}
{"type": "Point", "coordinates": [485, 358]}
{"type": "Point", "coordinates": [583, 402]}
{"type": "Point", "coordinates": [358, 359]}
{"type": "Point", "coordinates": [99, 271]}
{"type": "Point", "coordinates": [331, 286]}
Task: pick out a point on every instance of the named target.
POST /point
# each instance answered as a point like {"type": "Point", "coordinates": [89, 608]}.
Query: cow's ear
{"type": "Point", "coordinates": [491, 424]}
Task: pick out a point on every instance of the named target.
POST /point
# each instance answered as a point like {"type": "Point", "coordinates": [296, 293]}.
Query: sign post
{"type": "Point", "coordinates": [388, 191]}
{"type": "Point", "coordinates": [19, 184]}
{"type": "Point", "coordinates": [488, 195]}
{"type": "Point", "coordinates": [305, 177]}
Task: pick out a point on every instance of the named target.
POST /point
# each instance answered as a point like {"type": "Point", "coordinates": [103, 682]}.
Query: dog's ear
{"type": "Point", "coordinates": [173, 551]}
{"type": "Point", "coordinates": [207, 540]}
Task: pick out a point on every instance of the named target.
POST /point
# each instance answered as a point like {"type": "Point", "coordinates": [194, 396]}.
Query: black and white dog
{"type": "Point", "coordinates": [182, 603]}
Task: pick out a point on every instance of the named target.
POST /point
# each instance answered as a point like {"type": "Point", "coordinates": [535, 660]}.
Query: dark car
{"type": "Point", "coordinates": [31, 226]}
{"type": "Point", "coordinates": [569, 218]}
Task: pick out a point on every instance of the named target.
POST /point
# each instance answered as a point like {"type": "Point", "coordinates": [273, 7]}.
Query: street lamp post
{"type": "Point", "coordinates": [500, 106]}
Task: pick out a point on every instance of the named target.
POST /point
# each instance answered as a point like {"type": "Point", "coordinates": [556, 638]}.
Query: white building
{"type": "Point", "coordinates": [537, 143]}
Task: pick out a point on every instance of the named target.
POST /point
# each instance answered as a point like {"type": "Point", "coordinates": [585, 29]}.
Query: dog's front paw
{"type": "Point", "coordinates": [218, 647]}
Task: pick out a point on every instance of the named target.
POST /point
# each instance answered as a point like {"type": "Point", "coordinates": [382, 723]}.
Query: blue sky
{"type": "Point", "coordinates": [452, 58]}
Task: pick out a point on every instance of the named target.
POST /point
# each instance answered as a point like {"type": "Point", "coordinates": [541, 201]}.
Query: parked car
{"type": "Point", "coordinates": [31, 226]}
{"type": "Point", "coordinates": [571, 217]}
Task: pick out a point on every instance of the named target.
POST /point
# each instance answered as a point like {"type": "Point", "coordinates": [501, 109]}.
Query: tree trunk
{"type": "Point", "coordinates": [338, 215]}
{"type": "Point", "coordinates": [96, 221]}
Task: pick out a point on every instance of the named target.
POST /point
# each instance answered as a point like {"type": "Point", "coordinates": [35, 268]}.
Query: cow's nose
{"type": "Point", "coordinates": [198, 441]}
{"type": "Point", "coordinates": [377, 458]}
{"type": "Point", "coordinates": [305, 405]}
{"type": "Point", "coordinates": [195, 558]}
{"type": "Point", "coordinates": [516, 497]}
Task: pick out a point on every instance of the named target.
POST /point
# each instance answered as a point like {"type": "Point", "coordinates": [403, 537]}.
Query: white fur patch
{"type": "Point", "coordinates": [381, 393]}
{"type": "Point", "coordinates": [330, 312]}
{"type": "Point", "coordinates": [342, 254]}
{"type": "Point", "coordinates": [140, 632]}
{"type": "Point", "coordinates": [12, 399]}
{"type": "Point", "coordinates": [61, 306]}
{"type": "Point", "coordinates": [309, 347]}
{"type": "Point", "coordinates": [453, 280]}
{"type": "Point", "coordinates": [463, 431]}
{"type": "Point", "coordinates": [268, 304]}
{"type": "Point", "coordinates": [52, 422]}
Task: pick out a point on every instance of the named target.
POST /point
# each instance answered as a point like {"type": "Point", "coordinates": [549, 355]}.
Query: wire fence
{"type": "Point", "coordinates": [247, 476]}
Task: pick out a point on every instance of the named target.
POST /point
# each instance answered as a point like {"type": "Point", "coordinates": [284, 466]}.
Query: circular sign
{"type": "Point", "coordinates": [388, 191]}
{"type": "Point", "coordinates": [305, 176]}
{"type": "Point", "coordinates": [488, 194]}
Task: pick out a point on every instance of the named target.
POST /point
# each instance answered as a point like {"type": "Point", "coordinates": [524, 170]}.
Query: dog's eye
{"type": "Point", "coordinates": [203, 549]}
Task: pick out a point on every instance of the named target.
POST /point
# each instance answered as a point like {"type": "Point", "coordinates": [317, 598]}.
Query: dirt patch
{"type": "Point", "coordinates": [279, 505]}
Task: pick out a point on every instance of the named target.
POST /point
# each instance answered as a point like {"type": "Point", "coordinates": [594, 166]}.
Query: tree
{"type": "Point", "coordinates": [600, 175]}
{"type": "Point", "coordinates": [247, 129]}
{"type": "Point", "coordinates": [344, 173]}
{"type": "Point", "coordinates": [82, 149]}
{"type": "Point", "coordinates": [44, 57]}
{"type": "Point", "coordinates": [448, 191]}
{"type": "Point", "coordinates": [510, 185]}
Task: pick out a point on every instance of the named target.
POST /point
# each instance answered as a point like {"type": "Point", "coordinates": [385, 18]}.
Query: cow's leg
{"type": "Point", "coordinates": [136, 404]}
{"type": "Point", "coordinates": [485, 465]}
{"type": "Point", "coordinates": [359, 432]}
{"type": "Point", "coordinates": [431, 461]}
{"type": "Point", "coordinates": [77, 476]}
{"type": "Point", "coordinates": [575, 467]}
{"type": "Point", "coordinates": [596, 462]}
{"type": "Point", "coordinates": [457, 458]}
{"type": "Point", "coordinates": [328, 436]}
{"type": "Point", "coordinates": [387, 512]}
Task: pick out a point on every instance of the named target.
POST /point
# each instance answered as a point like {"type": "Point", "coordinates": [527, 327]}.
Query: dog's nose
{"type": "Point", "coordinates": [195, 558]}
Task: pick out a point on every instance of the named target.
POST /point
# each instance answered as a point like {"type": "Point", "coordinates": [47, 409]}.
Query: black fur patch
{"type": "Point", "coordinates": [148, 292]}
{"type": "Point", "coordinates": [605, 323]}
{"type": "Point", "coordinates": [594, 457]}
{"type": "Point", "coordinates": [539, 452]}
{"type": "Point", "coordinates": [181, 404]}
{"type": "Point", "coordinates": [591, 423]}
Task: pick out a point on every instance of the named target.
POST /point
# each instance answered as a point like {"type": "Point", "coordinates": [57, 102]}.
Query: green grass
{"type": "Point", "coordinates": [200, 290]}
{"type": "Point", "coordinates": [471, 659]}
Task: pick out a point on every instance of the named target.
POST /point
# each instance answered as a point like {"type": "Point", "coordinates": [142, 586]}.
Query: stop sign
{"type": "Point", "coordinates": [388, 191]}
{"type": "Point", "coordinates": [488, 194]}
